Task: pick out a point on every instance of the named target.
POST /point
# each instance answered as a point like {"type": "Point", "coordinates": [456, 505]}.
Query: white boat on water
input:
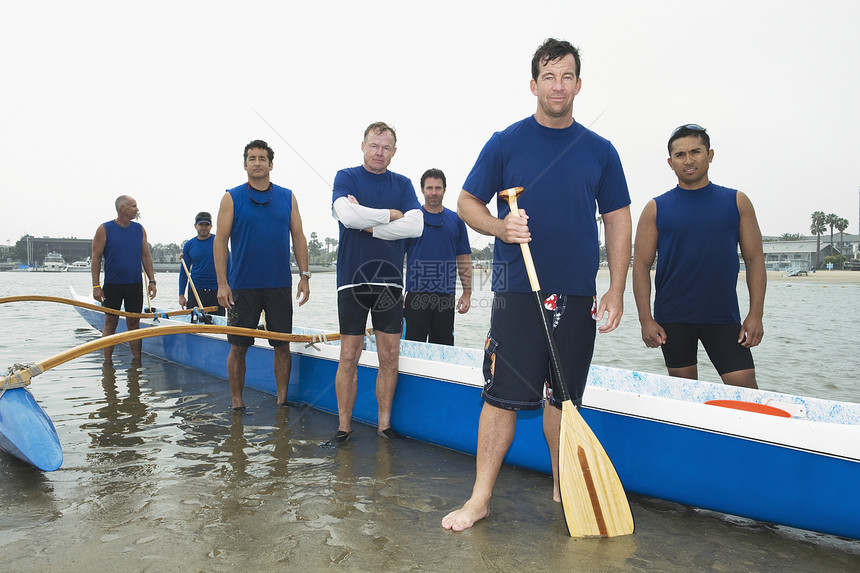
{"type": "Point", "coordinates": [54, 263]}
{"type": "Point", "coordinates": [79, 266]}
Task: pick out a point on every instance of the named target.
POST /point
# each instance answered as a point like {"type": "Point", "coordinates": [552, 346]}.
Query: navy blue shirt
{"type": "Point", "coordinates": [697, 256]}
{"type": "Point", "coordinates": [361, 257]}
{"type": "Point", "coordinates": [260, 238]}
{"type": "Point", "coordinates": [198, 258]}
{"type": "Point", "coordinates": [431, 259]}
{"type": "Point", "coordinates": [567, 174]}
{"type": "Point", "coordinates": [123, 248]}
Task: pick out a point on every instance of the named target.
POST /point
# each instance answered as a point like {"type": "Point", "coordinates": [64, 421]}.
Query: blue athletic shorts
{"type": "Point", "coordinates": [385, 305]}
{"type": "Point", "coordinates": [130, 294]}
{"type": "Point", "coordinates": [248, 305]}
{"type": "Point", "coordinates": [516, 358]}
{"type": "Point", "coordinates": [719, 340]}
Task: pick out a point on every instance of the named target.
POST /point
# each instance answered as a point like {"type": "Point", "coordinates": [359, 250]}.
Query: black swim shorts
{"type": "Point", "coordinates": [719, 340]}
{"type": "Point", "coordinates": [516, 358]}
{"type": "Point", "coordinates": [384, 303]}
{"type": "Point", "coordinates": [248, 305]}
{"type": "Point", "coordinates": [130, 294]}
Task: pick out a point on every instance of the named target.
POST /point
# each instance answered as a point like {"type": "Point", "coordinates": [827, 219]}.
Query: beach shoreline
{"type": "Point", "coordinates": [820, 277]}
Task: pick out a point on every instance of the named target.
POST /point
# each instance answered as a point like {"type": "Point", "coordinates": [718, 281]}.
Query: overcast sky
{"type": "Point", "coordinates": [157, 99]}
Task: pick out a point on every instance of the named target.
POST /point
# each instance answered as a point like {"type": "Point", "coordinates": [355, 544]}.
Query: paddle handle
{"type": "Point", "coordinates": [25, 374]}
{"type": "Point", "coordinates": [96, 307]}
{"type": "Point", "coordinates": [146, 291]}
{"type": "Point", "coordinates": [191, 282]}
{"type": "Point", "coordinates": [559, 388]}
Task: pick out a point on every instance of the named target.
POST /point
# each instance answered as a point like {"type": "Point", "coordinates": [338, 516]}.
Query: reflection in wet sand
{"type": "Point", "coordinates": [161, 475]}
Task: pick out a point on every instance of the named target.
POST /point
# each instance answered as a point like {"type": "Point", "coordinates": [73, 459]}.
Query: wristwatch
{"type": "Point", "coordinates": [306, 274]}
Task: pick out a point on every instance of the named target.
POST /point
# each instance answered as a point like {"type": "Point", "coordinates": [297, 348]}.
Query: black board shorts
{"type": "Point", "coordinates": [248, 304]}
{"type": "Point", "coordinates": [516, 358]}
{"type": "Point", "coordinates": [719, 340]}
{"type": "Point", "coordinates": [384, 303]}
{"type": "Point", "coordinates": [430, 317]}
{"type": "Point", "coordinates": [130, 294]}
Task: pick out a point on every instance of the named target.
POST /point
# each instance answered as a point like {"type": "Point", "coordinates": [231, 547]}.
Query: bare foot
{"type": "Point", "coordinates": [466, 516]}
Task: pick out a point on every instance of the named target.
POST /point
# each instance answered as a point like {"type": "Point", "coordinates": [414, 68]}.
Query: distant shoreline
{"type": "Point", "coordinates": [820, 277]}
{"type": "Point", "coordinates": [825, 277]}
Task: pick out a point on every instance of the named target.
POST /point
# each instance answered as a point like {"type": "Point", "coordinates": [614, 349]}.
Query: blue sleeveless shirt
{"type": "Point", "coordinates": [697, 256]}
{"type": "Point", "coordinates": [260, 238]}
{"type": "Point", "coordinates": [123, 246]}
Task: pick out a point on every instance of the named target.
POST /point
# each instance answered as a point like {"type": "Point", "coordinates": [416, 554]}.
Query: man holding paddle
{"type": "Point", "coordinates": [258, 219]}
{"type": "Point", "coordinates": [198, 265]}
{"type": "Point", "coordinates": [567, 172]}
{"type": "Point", "coordinates": [122, 242]}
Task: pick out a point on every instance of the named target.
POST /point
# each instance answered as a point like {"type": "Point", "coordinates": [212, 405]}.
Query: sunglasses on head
{"type": "Point", "coordinates": [690, 126]}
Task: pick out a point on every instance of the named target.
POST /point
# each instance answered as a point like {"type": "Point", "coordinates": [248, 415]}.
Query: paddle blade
{"type": "Point", "coordinates": [592, 496]}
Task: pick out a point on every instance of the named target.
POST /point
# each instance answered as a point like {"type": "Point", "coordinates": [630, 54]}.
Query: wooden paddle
{"type": "Point", "coordinates": [24, 373]}
{"type": "Point", "coordinates": [191, 282]}
{"type": "Point", "coordinates": [146, 291]}
{"type": "Point", "coordinates": [592, 496]}
{"type": "Point", "coordinates": [99, 308]}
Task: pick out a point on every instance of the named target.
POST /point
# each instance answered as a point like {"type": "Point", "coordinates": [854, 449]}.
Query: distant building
{"type": "Point", "coordinates": [33, 250]}
{"type": "Point", "coordinates": [785, 255]}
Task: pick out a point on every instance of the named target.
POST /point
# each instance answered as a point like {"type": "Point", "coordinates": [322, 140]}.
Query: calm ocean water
{"type": "Point", "coordinates": [159, 475]}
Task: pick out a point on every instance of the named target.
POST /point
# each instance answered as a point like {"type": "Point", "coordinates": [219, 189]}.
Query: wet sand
{"type": "Point", "coordinates": [159, 475]}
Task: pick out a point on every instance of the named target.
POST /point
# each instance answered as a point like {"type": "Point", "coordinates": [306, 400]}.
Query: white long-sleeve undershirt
{"type": "Point", "coordinates": [355, 216]}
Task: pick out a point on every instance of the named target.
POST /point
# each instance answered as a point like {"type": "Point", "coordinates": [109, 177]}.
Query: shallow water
{"type": "Point", "coordinates": [159, 474]}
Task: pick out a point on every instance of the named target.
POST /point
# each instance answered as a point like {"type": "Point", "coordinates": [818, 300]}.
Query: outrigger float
{"type": "Point", "coordinates": [763, 455]}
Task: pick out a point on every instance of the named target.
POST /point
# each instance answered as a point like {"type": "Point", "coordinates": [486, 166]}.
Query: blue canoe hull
{"type": "Point", "coordinates": [27, 432]}
{"type": "Point", "coordinates": [663, 440]}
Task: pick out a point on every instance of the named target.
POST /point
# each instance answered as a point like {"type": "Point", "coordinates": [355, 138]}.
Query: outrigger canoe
{"type": "Point", "coordinates": [26, 431]}
{"type": "Point", "coordinates": [763, 455]}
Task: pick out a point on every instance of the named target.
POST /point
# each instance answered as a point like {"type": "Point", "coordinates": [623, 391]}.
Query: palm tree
{"type": "Point", "coordinates": [791, 237]}
{"type": "Point", "coordinates": [330, 244]}
{"type": "Point", "coordinates": [830, 220]}
{"type": "Point", "coordinates": [841, 224]}
{"type": "Point", "coordinates": [817, 228]}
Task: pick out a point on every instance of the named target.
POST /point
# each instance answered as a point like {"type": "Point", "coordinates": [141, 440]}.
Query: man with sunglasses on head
{"type": "Point", "coordinates": [433, 262]}
{"type": "Point", "coordinates": [198, 258]}
{"type": "Point", "coordinates": [694, 231]}
{"type": "Point", "coordinates": [258, 218]}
